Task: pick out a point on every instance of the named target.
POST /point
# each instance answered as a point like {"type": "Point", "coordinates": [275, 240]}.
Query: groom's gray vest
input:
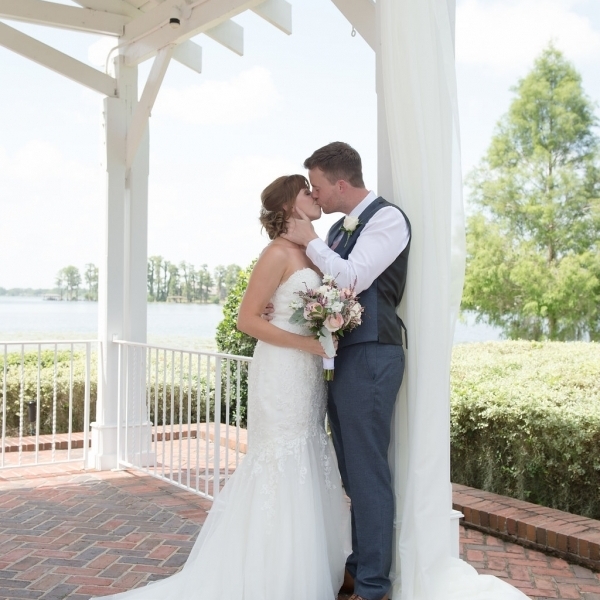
{"type": "Point", "coordinates": [379, 320]}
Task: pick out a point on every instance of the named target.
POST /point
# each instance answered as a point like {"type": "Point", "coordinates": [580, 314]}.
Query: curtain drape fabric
{"type": "Point", "coordinates": [418, 82]}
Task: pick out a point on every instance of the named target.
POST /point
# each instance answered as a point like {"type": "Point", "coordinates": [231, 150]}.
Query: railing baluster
{"type": "Point", "coordinates": [164, 417]}
{"type": "Point", "coordinates": [21, 402]}
{"type": "Point", "coordinates": [180, 416]}
{"type": "Point", "coordinates": [38, 405]}
{"type": "Point", "coordinates": [189, 418]}
{"type": "Point", "coordinates": [119, 401]}
{"type": "Point", "coordinates": [86, 404]}
{"type": "Point", "coordinates": [172, 418]}
{"type": "Point", "coordinates": [155, 422]}
{"type": "Point", "coordinates": [54, 402]}
{"type": "Point", "coordinates": [4, 402]}
{"type": "Point", "coordinates": [227, 400]}
{"type": "Point", "coordinates": [238, 398]}
{"type": "Point", "coordinates": [217, 429]}
{"type": "Point", "coordinates": [70, 427]}
{"type": "Point", "coordinates": [198, 408]}
{"type": "Point", "coordinates": [207, 427]}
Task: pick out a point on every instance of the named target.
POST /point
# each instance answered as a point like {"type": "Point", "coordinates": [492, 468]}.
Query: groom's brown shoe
{"type": "Point", "coordinates": [348, 585]}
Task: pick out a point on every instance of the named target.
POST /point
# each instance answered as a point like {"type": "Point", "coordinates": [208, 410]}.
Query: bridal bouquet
{"type": "Point", "coordinates": [328, 312]}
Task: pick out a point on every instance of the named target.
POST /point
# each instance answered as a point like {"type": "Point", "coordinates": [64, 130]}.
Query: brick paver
{"type": "Point", "coordinates": [68, 533]}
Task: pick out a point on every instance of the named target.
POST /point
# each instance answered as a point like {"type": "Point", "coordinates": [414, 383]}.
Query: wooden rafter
{"type": "Point", "coordinates": [139, 121]}
{"type": "Point", "coordinates": [41, 12]}
{"type": "Point", "coordinates": [276, 12]}
{"type": "Point", "coordinates": [57, 61]}
{"type": "Point", "coordinates": [228, 34]}
{"type": "Point", "coordinates": [149, 33]}
{"type": "Point", "coordinates": [187, 53]}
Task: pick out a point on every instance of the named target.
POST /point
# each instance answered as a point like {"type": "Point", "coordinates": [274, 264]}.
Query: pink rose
{"type": "Point", "coordinates": [345, 293]}
{"type": "Point", "coordinates": [334, 322]}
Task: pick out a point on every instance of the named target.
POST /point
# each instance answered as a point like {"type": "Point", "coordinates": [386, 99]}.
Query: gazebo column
{"type": "Point", "coordinates": [122, 271]}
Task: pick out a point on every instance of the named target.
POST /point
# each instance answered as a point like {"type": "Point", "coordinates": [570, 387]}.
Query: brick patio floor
{"type": "Point", "coordinates": [69, 533]}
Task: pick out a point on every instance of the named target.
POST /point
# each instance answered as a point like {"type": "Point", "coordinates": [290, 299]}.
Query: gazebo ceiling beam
{"type": "Point", "coordinates": [139, 120]}
{"type": "Point", "coordinates": [60, 15]}
{"type": "Point", "coordinates": [152, 31]}
{"type": "Point", "coordinates": [229, 34]}
{"type": "Point", "coordinates": [361, 14]}
{"type": "Point", "coordinates": [117, 7]}
{"type": "Point", "coordinates": [276, 12]}
{"type": "Point", "coordinates": [188, 53]}
{"type": "Point", "coordinates": [57, 61]}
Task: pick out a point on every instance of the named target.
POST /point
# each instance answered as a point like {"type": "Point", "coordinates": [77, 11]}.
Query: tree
{"type": "Point", "coordinates": [533, 265]}
{"type": "Point", "coordinates": [70, 278]}
{"type": "Point", "coordinates": [91, 280]}
{"type": "Point", "coordinates": [228, 337]}
{"type": "Point", "coordinates": [225, 279]}
{"type": "Point", "coordinates": [60, 283]}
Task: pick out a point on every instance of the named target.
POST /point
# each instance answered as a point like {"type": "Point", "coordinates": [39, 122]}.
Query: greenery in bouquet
{"type": "Point", "coordinates": [328, 312]}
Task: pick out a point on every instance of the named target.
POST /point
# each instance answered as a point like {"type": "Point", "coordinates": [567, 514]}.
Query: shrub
{"type": "Point", "coordinates": [48, 387]}
{"type": "Point", "coordinates": [232, 341]}
{"type": "Point", "coordinates": [526, 422]}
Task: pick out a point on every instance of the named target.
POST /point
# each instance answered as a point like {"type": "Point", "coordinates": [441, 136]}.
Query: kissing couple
{"type": "Point", "coordinates": [282, 528]}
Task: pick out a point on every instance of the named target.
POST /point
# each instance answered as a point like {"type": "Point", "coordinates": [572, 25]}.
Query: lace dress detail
{"type": "Point", "coordinates": [280, 528]}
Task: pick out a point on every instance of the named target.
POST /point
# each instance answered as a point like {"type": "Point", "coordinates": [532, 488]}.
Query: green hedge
{"type": "Point", "coordinates": [526, 422]}
{"type": "Point", "coordinates": [47, 389]}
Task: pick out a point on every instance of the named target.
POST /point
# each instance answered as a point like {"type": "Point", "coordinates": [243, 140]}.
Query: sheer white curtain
{"type": "Point", "coordinates": [419, 90]}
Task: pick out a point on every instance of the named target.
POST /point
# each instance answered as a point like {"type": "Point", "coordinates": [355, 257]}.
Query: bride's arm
{"type": "Point", "coordinates": [267, 274]}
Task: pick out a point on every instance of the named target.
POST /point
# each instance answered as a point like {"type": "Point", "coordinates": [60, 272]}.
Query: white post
{"type": "Point", "coordinates": [122, 270]}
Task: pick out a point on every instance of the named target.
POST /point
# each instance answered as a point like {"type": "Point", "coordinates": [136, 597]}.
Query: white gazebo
{"type": "Point", "coordinates": [418, 167]}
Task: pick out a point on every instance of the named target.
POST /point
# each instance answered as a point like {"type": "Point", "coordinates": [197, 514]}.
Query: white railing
{"type": "Point", "coordinates": [46, 388]}
{"type": "Point", "coordinates": [181, 414]}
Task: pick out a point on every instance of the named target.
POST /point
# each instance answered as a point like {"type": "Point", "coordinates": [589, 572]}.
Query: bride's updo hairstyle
{"type": "Point", "coordinates": [277, 203]}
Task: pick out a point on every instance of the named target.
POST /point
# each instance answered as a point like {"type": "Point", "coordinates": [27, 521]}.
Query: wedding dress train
{"type": "Point", "coordinates": [280, 528]}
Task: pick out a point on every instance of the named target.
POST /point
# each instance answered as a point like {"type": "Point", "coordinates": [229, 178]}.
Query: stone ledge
{"type": "Point", "coordinates": [572, 537]}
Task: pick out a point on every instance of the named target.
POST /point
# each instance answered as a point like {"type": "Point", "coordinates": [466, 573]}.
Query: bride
{"type": "Point", "coordinates": [280, 527]}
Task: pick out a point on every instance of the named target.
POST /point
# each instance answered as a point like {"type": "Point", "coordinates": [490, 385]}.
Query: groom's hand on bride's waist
{"type": "Point", "coordinates": [267, 314]}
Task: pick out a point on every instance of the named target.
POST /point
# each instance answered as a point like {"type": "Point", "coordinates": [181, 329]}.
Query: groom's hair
{"type": "Point", "coordinates": [337, 160]}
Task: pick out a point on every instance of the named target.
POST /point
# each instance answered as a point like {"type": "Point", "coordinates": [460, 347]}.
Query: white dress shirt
{"type": "Point", "coordinates": [382, 239]}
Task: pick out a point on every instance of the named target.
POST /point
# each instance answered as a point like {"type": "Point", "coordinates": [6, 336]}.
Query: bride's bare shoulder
{"type": "Point", "coordinates": [275, 252]}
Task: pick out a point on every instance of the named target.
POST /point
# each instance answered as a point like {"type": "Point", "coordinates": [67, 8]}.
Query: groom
{"type": "Point", "coordinates": [371, 253]}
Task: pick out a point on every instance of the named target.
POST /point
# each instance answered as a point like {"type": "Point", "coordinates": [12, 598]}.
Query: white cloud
{"type": "Point", "coordinates": [215, 220]}
{"type": "Point", "coordinates": [506, 34]}
{"type": "Point", "coordinates": [50, 214]}
{"type": "Point", "coordinates": [246, 97]}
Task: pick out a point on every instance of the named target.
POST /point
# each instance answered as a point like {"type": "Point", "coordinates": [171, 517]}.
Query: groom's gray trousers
{"type": "Point", "coordinates": [360, 405]}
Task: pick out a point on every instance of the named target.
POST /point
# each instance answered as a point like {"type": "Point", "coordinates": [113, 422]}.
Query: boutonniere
{"type": "Point", "coordinates": [348, 227]}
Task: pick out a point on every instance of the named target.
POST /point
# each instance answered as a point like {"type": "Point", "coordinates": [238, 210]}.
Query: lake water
{"type": "Point", "coordinates": [175, 325]}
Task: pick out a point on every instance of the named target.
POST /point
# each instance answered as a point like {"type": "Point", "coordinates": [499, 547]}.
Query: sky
{"type": "Point", "coordinates": [218, 138]}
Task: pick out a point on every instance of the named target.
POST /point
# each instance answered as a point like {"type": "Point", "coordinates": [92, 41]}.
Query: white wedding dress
{"type": "Point", "coordinates": [280, 528]}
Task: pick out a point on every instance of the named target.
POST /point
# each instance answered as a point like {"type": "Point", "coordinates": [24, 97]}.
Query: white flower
{"type": "Point", "coordinates": [355, 310]}
{"type": "Point", "coordinates": [327, 278]}
{"type": "Point", "coordinates": [337, 306]}
{"type": "Point", "coordinates": [323, 290]}
{"type": "Point", "coordinates": [350, 224]}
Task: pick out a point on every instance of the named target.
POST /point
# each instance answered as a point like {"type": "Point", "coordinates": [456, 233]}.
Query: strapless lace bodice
{"type": "Point", "coordinates": [285, 294]}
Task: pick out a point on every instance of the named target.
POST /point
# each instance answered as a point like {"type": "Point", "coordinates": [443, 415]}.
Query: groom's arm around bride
{"type": "Point", "coordinates": [369, 250]}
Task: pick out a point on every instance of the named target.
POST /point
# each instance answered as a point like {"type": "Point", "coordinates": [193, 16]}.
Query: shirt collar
{"type": "Point", "coordinates": [359, 208]}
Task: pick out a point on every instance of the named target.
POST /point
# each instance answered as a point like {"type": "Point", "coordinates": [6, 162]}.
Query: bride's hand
{"type": "Point", "coordinates": [314, 346]}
